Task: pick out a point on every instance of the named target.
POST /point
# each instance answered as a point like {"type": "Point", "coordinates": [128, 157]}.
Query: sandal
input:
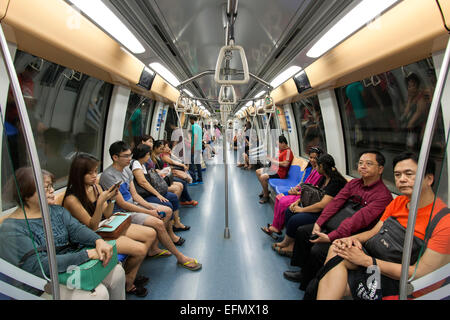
{"type": "Point", "coordinates": [163, 253]}
{"type": "Point", "coordinates": [138, 291]}
{"type": "Point", "coordinates": [275, 246]}
{"type": "Point", "coordinates": [175, 229]}
{"type": "Point", "coordinates": [283, 253]}
{"type": "Point", "coordinates": [195, 267]}
{"type": "Point", "coordinates": [261, 195]}
{"type": "Point", "coordinates": [264, 200]}
{"type": "Point", "coordinates": [269, 232]}
{"type": "Point", "coordinates": [140, 281]}
{"type": "Point", "coordinates": [179, 242]}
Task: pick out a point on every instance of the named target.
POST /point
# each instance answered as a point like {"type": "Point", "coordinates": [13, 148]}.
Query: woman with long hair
{"type": "Point", "coordinates": [87, 202]}
{"type": "Point", "coordinates": [331, 182]}
{"type": "Point", "coordinates": [282, 202]}
{"type": "Point", "coordinates": [23, 230]}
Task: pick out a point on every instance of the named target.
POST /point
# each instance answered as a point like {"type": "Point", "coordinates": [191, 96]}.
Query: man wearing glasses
{"type": "Point", "coordinates": [375, 196]}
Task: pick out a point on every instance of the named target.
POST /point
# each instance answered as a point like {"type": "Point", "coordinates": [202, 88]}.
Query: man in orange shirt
{"type": "Point", "coordinates": [278, 169]}
{"type": "Point", "coordinates": [344, 278]}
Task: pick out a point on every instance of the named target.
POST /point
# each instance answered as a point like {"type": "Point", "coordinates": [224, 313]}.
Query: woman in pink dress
{"type": "Point", "coordinates": [283, 202]}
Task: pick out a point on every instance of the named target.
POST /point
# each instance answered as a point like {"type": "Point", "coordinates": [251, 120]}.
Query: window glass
{"type": "Point", "coordinates": [388, 112]}
{"type": "Point", "coordinates": [66, 110]}
{"type": "Point", "coordinates": [136, 120]}
{"type": "Point", "coordinates": [310, 130]}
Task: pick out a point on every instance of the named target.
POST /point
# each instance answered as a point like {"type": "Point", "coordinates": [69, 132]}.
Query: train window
{"type": "Point", "coordinates": [308, 119]}
{"type": "Point", "coordinates": [66, 115]}
{"type": "Point", "coordinates": [388, 112]}
{"type": "Point", "coordinates": [136, 120]}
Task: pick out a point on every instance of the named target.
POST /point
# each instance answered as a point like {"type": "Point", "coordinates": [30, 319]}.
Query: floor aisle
{"type": "Point", "coordinates": [242, 267]}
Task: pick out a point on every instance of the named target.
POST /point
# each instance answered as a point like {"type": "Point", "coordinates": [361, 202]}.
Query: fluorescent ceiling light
{"type": "Point", "coordinates": [248, 104]}
{"type": "Point", "coordinates": [282, 77]}
{"type": "Point", "coordinates": [166, 74]}
{"type": "Point", "coordinates": [105, 18]}
{"type": "Point", "coordinates": [188, 92]}
{"type": "Point", "coordinates": [366, 11]}
{"type": "Point", "coordinates": [260, 94]}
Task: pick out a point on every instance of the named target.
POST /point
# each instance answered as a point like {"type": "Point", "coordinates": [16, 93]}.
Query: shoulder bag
{"type": "Point", "coordinates": [156, 182]}
{"type": "Point", "coordinates": [388, 243]}
{"type": "Point", "coordinates": [353, 204]}
{"type": "Point", "coordinates": [310, 194]}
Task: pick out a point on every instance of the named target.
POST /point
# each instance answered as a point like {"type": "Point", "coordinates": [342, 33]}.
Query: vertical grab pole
{"type": "Point", "coordinates": [423, 159]}
{"type": "Point", "coordinates": [36, 166]}
{"type": "Point", "coordinates": [226, 233]}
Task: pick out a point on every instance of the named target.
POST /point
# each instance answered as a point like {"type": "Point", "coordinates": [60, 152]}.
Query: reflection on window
{"type": "Point", "coordinates": [388, 112]}
{"type": "Point", "coordinates": [138, 112]}
{"type": "Point", "coordinates": [66, 110]}
{"type": "Point", "coordinates": [308, 119]}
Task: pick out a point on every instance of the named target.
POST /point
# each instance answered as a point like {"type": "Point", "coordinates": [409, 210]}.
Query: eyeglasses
{"type": "Point", "coordinates": [366, 163]}
{"type": "Point", "coordinates": [49, 187]}
{"type": "Point", "coordinates": [126, 155]}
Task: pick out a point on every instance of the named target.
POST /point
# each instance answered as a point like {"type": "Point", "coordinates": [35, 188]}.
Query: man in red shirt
{"type": "Point", "coordinates": [344, 278]}
{"type": "Point", "coordinates": [278, 169]}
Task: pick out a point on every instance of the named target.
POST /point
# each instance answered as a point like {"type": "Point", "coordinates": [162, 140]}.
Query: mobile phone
{"type": "Point", "coordinates": [313, 237]}
{"type": "Point", "coordinates": [117, 185]}
{"type": "Point", "coordinates": [162, 214]}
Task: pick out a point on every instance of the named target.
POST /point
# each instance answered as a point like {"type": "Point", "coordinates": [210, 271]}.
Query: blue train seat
{"type": "Point", "coordinates": [294, 177]}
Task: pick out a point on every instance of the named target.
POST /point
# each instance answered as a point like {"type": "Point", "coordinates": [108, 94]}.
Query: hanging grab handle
{"type": "Point", "coordinates": [225, 52]}
{"type": "Point", "coordinates": [223, 99]}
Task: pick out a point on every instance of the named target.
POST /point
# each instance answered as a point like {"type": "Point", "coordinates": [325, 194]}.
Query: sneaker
{"type": "Point", "coordinates": [199, 182]}
{"type": "Point", "coordinates": [192, 184]}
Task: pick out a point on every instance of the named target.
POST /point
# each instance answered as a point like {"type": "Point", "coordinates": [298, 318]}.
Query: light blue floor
{"type": "Point", "coordinates": [243, 267]}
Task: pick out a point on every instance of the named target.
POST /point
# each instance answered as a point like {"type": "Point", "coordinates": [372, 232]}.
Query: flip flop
{"type": "Point", "coordinates": [164, 253]}
{"type": "Point", "coordinates": [264, 200]}
{"type": "Point", "coordinates": [141, 281]}
{"type": "Point", "coordinates": [179, 242]}
{"type": "Point", "coordinates": [185, 265]}
{"type": "Point", "coordinates": [269, 232]}
{"type": "Point", "coordinates": [138, 291]}
{"type": "Point", "coordinates": [275, 246]}
{"type": "Point", "coordinates": [283, 253]}
{"type": "Point", "coordinates": [175, 229]}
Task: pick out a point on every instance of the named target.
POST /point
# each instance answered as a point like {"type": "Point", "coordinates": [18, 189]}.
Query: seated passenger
{"type": "Point", "coordinates": [343, 279]}
{"type": "Point", "coordinates": [141, 153]}
{"type": "Point", "coordinates": [278, 169]}
{"type": "Point", "coordinates": [283, 202]}
{"type": "Point", "coordinates": [143, 212]}
{"type": "Point", "coordinates": [374, 196]}
{"type": "Point", "coordinates": [87, 202]}
{"type": "Point", "coordinates": [179, 169]}
{"type": "Point", "coordinates": [331, 182]}
{"type": "Point", "coordinates": [156, 151]}
{"type": "Point", "coordinates": [26, 223]}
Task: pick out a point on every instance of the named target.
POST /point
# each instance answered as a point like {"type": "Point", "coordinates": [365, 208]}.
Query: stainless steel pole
{"type": "Point", "coordinates": [423, 159]}
{"type": "Point", "coordinates": [225, 162]}
{"type": "Point", "coordinates": [35, 164]}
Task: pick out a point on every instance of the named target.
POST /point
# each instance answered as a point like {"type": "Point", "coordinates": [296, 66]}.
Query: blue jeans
{"type": "Point", "coordinates": [185, 196]}
{"type": "Point", "coordinates": [173, 203]}
{"type": "Point", "coordinates": [196, 165]}
{"type": "Point", "coordinates": [295, 220]}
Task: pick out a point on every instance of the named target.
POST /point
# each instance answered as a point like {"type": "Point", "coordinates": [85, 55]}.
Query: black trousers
{"type": "Point", "coordinates": [310, 257]}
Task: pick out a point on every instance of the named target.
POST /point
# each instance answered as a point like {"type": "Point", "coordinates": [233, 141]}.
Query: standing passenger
{"type": "Point", "coordinates": [196, 151]}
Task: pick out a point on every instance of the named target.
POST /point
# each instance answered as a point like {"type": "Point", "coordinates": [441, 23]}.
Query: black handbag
{"type": "Point", "coordinates": [388, 243]}
{"type": "Point", "coordinates": [156, 182]}
{"type": "Point", "coordinates": [310, 194]}
{"type": "Point", "coordinates": [353, 204]}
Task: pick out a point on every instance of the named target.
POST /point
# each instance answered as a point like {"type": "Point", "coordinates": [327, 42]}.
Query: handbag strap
{"type": "Point", "coordinates": [434, 223]}
{"type": "Point", "coordinates": [41, 249]}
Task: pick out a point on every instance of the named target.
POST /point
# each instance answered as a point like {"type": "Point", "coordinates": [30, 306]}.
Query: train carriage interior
{"type": "Point", "coordinates": [190, 132]}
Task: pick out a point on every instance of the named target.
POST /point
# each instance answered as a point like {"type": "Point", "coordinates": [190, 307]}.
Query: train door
{"type": "Point", "coordinates": [158, 122]}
